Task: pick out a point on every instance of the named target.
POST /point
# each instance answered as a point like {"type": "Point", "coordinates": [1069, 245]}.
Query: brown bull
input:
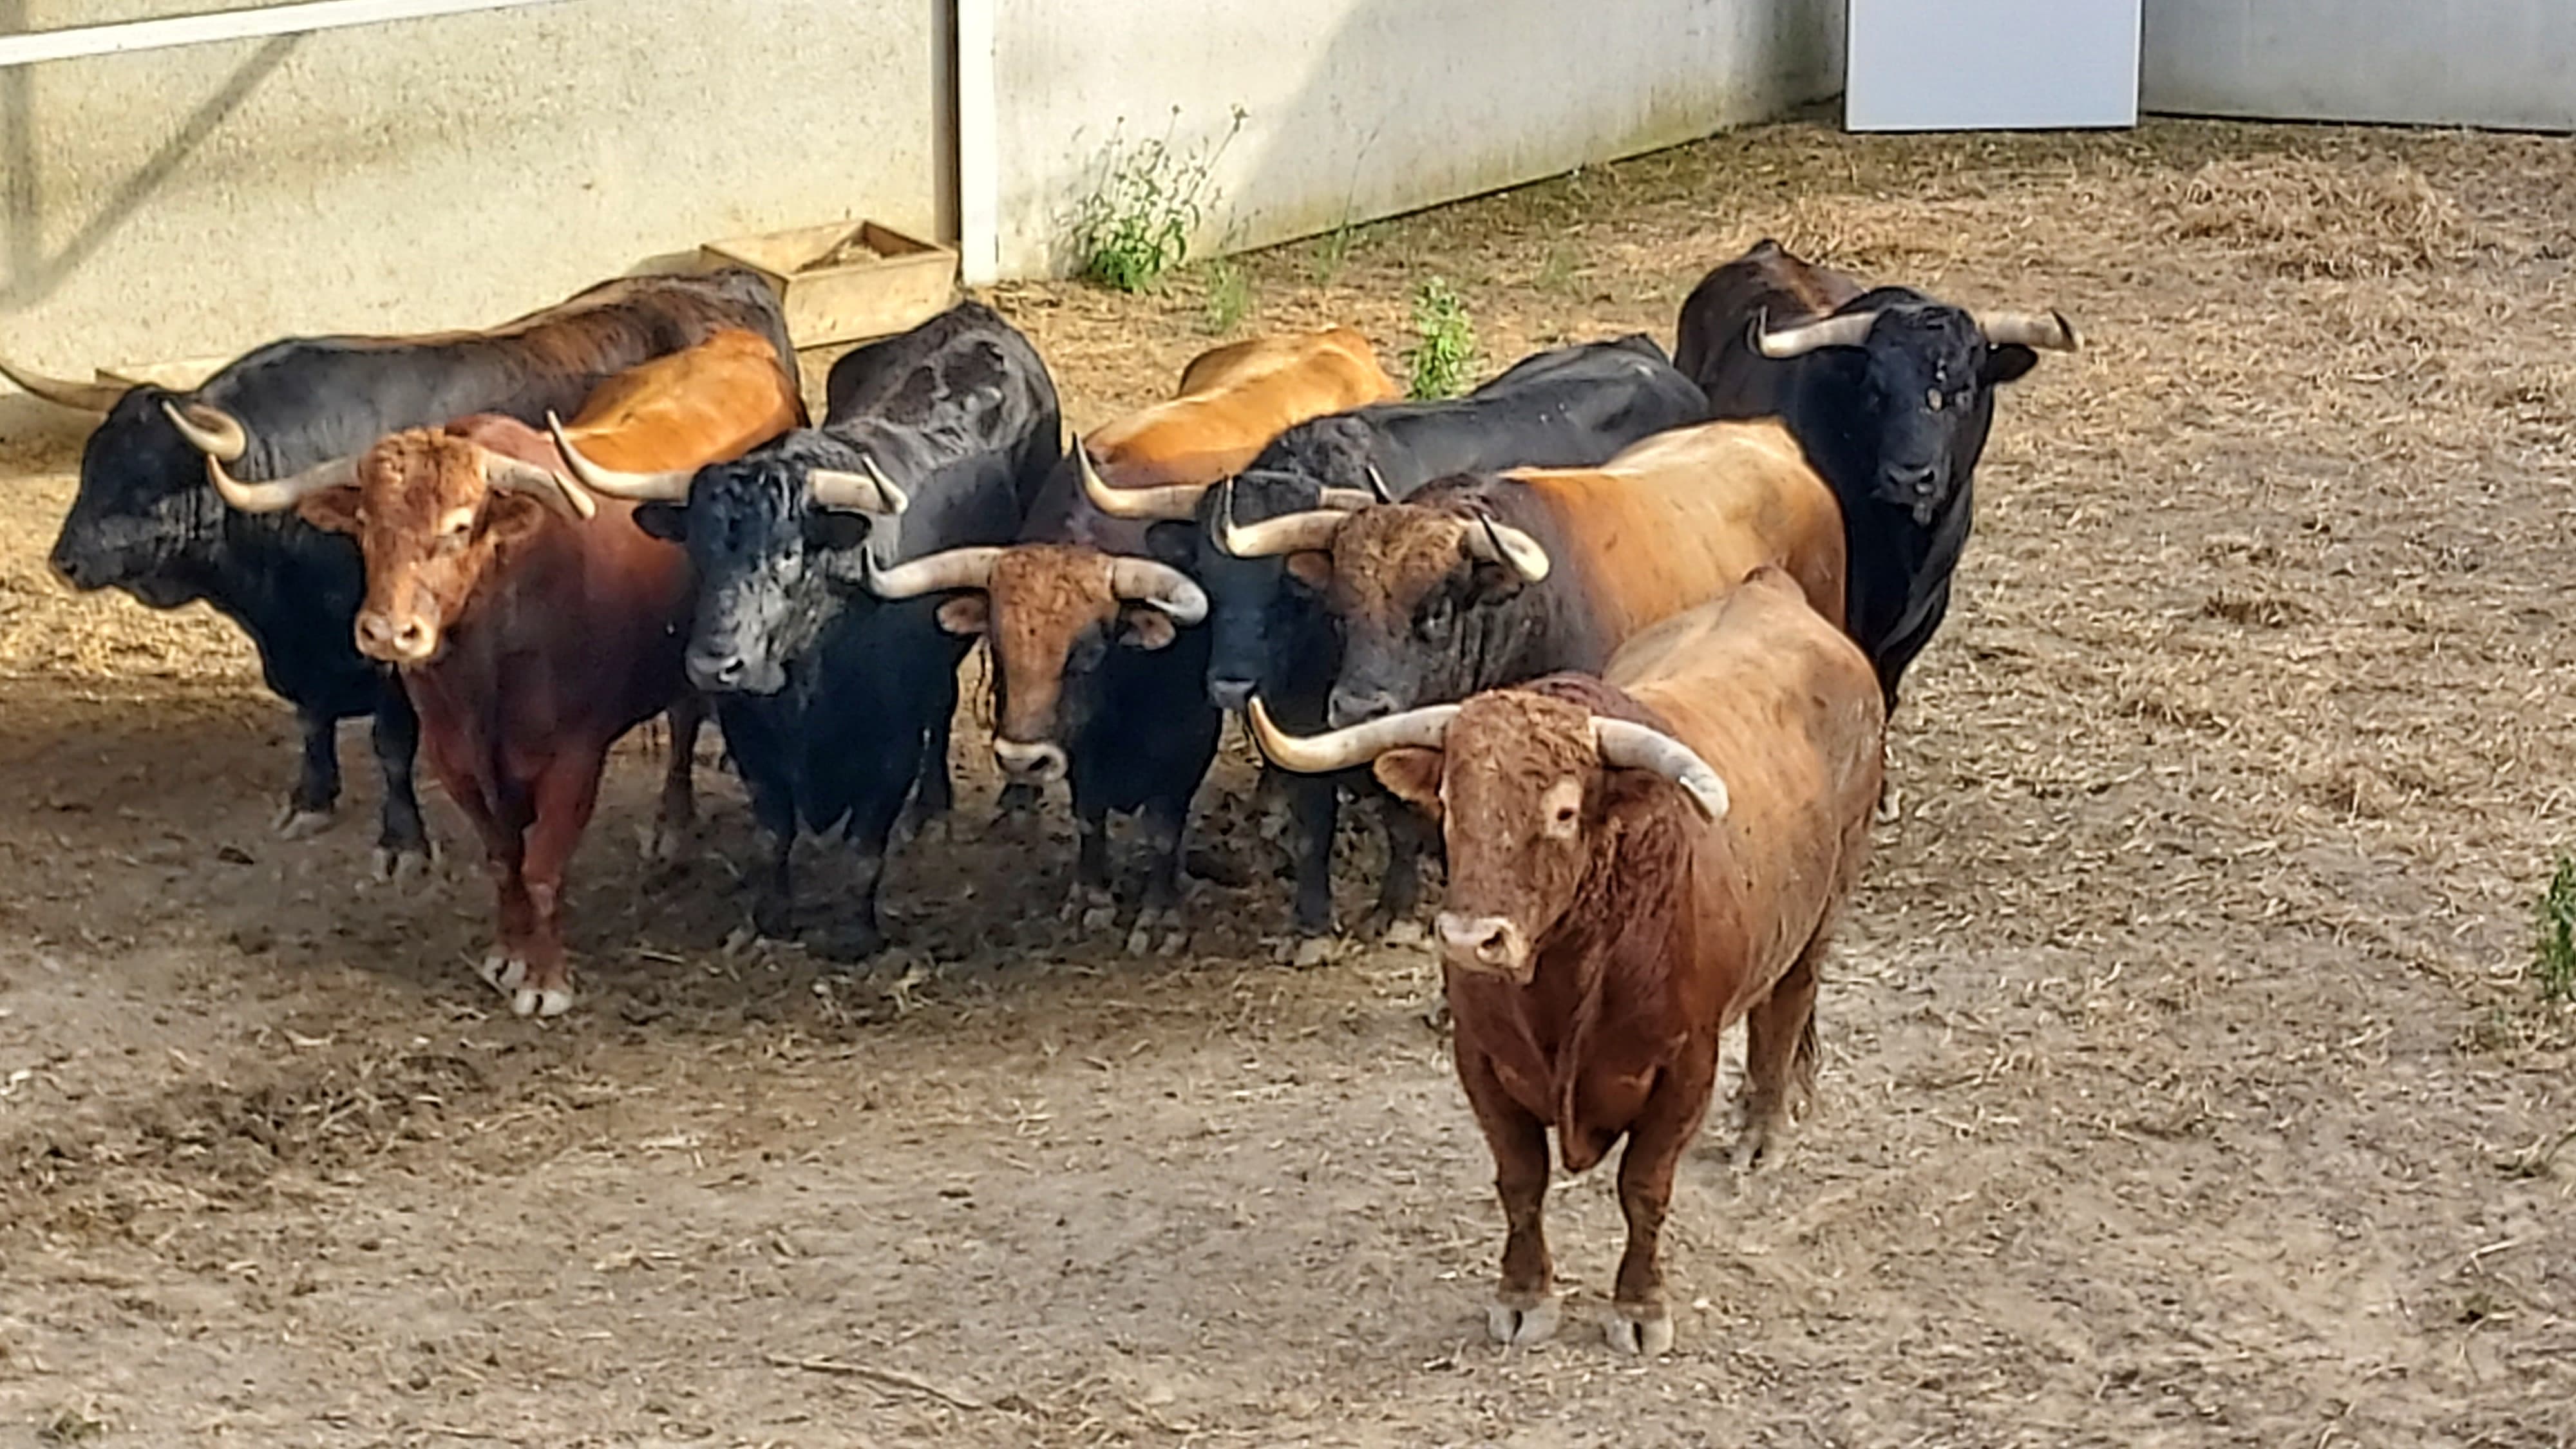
{"type": "Point", "coordinates": [1634, 864]}
{"type": "Point", "coordinates": [1097, 663]}
{"type": "Point", "coordinates": [534, 627]}
{"type": "Point", "coordinates": [1473, 583]}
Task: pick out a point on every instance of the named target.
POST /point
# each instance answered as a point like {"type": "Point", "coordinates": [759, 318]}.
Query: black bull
{"type": "Point", "coordinates": [1890, 393]}
{"type": "Point", "coordinates": [146, 519]}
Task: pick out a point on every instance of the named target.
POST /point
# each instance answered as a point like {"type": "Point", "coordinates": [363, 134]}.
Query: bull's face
{"type": "Point", "coordinates": [1521, 797]}
{"type": "Point", "coordinates": [1264, 611]}
{"type": "Point", "coordinates": [770, 564]}
{"type": "Point", "coordinates": [1929, 371]}
{"type": "Point", "coordinates": [431, 525]}
{"type": "Point", "coordinates": [1416, 592]}
{"type": "Point", "coordinates": [1052, 613]}
{"type": "Point", "coordinates": [143, 499]}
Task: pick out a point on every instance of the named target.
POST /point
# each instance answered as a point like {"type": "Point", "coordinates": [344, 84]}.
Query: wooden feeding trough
{"type": "Point", "coordinates": [846, 280]}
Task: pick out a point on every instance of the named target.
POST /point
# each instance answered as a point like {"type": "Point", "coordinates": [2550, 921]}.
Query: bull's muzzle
{"type": "Point", "coordinates": [1493, 945]}
{"type": "Point", "coordinates": [1037, 764]}
{"type": "Point", "coordinates": [1358, 706]}
{"type": "Point", "coordinates": [1230, 695]}
{"type": "Point", "coordinates": [407, 641]}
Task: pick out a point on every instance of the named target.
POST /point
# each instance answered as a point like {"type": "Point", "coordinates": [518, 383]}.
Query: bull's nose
{"type": "Point", "coordinates": [1913, 482]}
{"type": "Point", "coordinates": [406, 642]}
{"type": "Point", "coordinates": [1230, 694]}
{"type": "Point", "coordinates": [72, 571]}
{"type": "Point", "coordinates": [1483, 943]}
{"type": "Point", "coordinates": [717, 671]}
{"type": "Point", "coordinates": [1036, 764]}
{"type": "Point", "coordinates": [1358, 706]}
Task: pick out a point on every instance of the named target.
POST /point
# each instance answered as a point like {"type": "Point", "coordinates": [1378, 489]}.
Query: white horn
{"type": "Point", "coordinates": [671, 486]}
{"type": "Point", "coordinates": [87, 397]}
{"type": "Point", "coordinates": [1348, 748]}
{"type": "Point", "coordinates": [210, 430]}
{"type": "Point", "coordinates": [869, 491]}
{"type": "Point", "coordinates": [1503, 544]}
{"type": "Point", "coordinates": [955, 568]}
{"type": "Point", "coordinates": [1848, 330]}
{"type": "Point", "coordinates": [1627, 745]}
{"type": "Point", "coordinates": [280, 494]}
{"type": "Point", "coordinates": [1310, 529]}
{"type": "Point", "coordinates": [548, 486]}
{"type": "Point", "coordinates": [1148, 581]}
{"type": "Point", "coordinates": [1377, 485]}
{"type": "Point", "coordinates": [1170, 501]}
{"type": "Point", "coordinates": [2048, 331]}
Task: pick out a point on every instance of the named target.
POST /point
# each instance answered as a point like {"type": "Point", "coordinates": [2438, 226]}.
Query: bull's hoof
{"type": "Point", "coordinates": [502, 971]}
{"type": "Point", "coordinates": [1762, 1142]}
{"type": "Point", "coordinates": [404, 866]}
{"type": "Point", "coordinates": [1891, 806]}
{"type": "Point", "coordinates": [298, 822]}
{"type": "Point", "coordinates": [542, 1001]}
{"type": "Point", "coordinates": [1085, 903]}
{"type": "Point", "coordinates": [666, 842]}
{"type": "Point", "coordinates": [846, 945]}
{"type": "Point", "coordinates": [773, 919]}
{"type": "Point", "coordinates": [1157, 932]}
{"type": "Point", "coordinates": [1315, 951]}
{"type": "Point", "coordinates": [1407, 932]}
{"type": "Point", "coordinates": [1522, 1327]}
{"type": "Point", "coordinates": [1645, 1330]}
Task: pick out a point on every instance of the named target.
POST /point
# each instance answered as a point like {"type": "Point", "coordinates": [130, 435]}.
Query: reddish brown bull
{"type": "Point", "coordinates": [1635, 863]}
{"type": "Point", "coordinates": [532, 626]}
{"type": "Point", "coordinates": [1097, 663]}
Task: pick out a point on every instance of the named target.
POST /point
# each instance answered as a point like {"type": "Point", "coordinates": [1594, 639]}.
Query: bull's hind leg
{"type": "Point", "coordinates": [1166, 821]}
{"type": "Point", "coordinates": [934, 792]}
{"type": "Point", "coordinates": [1639, 1320]}
{"type": "Point", "coordinates": [1524, 1310]}
{"type": "Point", "coordinates": [677, 818]}
{"type": "Point", "coordinates": [1409, 837]}
{"type": "Point", "coordinates": [1779, 1060]}
{"type": "Point", "coordinates": [562, 799]}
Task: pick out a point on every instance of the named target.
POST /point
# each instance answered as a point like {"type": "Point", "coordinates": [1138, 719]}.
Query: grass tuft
{"type": "Point", "coordinates": [1443, 356]}
{"type": "Point", "coordinates": [1136, 223]}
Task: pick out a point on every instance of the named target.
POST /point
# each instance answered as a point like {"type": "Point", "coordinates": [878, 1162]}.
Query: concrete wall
{"type": "Point", "coordinates": [1355, 109]}
{"type": "Point", "coordinates": [437, 172]}
{"type": "Point", "coordinates": [2506, 63]}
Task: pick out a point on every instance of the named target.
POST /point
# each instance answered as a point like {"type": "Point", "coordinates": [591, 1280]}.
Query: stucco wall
{"type": "Point", "coordinates": [1356, 109]}
{"type": "Point", "coordinates": [436, 172]}
{"type": "Point", "coordinates": [2508, 63]}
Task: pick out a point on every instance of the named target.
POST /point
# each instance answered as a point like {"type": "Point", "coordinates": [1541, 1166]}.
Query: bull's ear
{"type": "Point", "coordinates": [1414, 777]}
{"type": "Point", "coordinates": [1173, 541]}
{"type": "Point", "coordinates": [1311, 567]}
{"type": "Point", "coordinates": [965, 615]}
{"type": "Point", "coordinates": [335, 509]}
{"type": "Point", "coordinates": [834, 530]}
{"type": "Point", "coordinates": [1490, 583]}
{"type": "Point", "coordinates": [668, 522]}
{"type": "Point", "coordinates": [2005, 363]}
{"type": "Point", "coordinates": [1147, 628]}
{"type": "Point", "coordinates": [512, 518]}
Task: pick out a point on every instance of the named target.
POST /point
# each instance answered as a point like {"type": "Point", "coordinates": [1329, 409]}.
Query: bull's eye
{"type": "Point", "coordinates": [1433, 621]}
{"type": "Point", "coordinates": [1086, 654]}
{"type": "Point", "coordinates": [1933, 399]}
{"type": "Point", "coordinates": [1561, 809]}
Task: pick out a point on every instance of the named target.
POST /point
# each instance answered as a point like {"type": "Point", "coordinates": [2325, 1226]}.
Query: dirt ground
{"type": "Point", "coordinates": [2184, 1080]}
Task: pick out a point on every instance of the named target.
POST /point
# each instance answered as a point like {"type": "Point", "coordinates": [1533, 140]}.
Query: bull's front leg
{"type": "Point", "coordinates": [1640, 1322]}
{"type": "Point", "coordinates": [1409, 837]}
{"type": "Point", "coordinates": [1779, 1061]}
{"type": "Point", "coordinates": [1089, 899]}
{"type": "Point", "coordinates": [871, 826]}
{"type": "Point", "coordinates": [317, 776]}
{"type": "Point", "coordinates": [1314, 807]}
{"type": "Point", "coordinates": [1524, 1310]}
{"type": "Point", "coordinates": [934, 791]}
{"type": "Point", "coordinates": [561, 799]}
{"type": "Point", "coordinates": [1166, 824]}
{"type": "Point", "coordinates": [403, 851]}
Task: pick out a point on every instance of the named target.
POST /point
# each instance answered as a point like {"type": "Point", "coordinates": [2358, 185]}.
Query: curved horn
{"type": "Point", "coordinates": [1503, 544]}
{"type": "Point", "coordinates": [1312, 528]}
{"type": "Point", "coordinates": [955, 568]}
{"type": "Point", "coordinates": [1377, 485]}
{"type": "Point", "coordinates": [864, 492]}
{"type": "Point", "coordinates": [1627, 745]}
{"type": "Point", "coordinates": [551, 488]}
{"type": "Point", "coordinates": [1348, 500]}
{"type": "Point", "coordinates": [1849, 330]}
{"type": "Point", "coordinates": [1351, 747]}
{"type": "Point", "coordinates": [671, 486]}
{"type": "Point", "coordinates": [1170, 501]}
{"type": "Point", "coordinates": [280, 494]}
{"type": "Point", "coordinates": [2049, 331]}
{"type": "Point", "coordinates": [210, 430]}
{"type": "Point", "coordinates": [1166, 588]}
{"type": "Point", "coordinates": [88, 397]}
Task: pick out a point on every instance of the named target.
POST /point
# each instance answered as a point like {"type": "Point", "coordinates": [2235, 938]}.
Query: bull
{"type": "Point", "coordinates": [1891, 393]}
{"type": "Point", "coordinates": [836, 705]}
{"type": "Point", "coordinates": [147, 521]}
{"type": "Point", "coordinates": [1636, 862]}
{"type": "Point", "coordinates": [531, 628]}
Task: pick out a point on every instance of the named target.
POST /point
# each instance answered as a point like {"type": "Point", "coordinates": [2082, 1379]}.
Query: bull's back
{"type": "Point", "coordinates": [1681, 518]}
{"type": "Point", "coordinates": [706, 404]}
{"type": "Point", "coordinates": [1787, 711]}
{"type": "Point", "coordinates": [1713, 346]}
{"type": "Point", "coordinates": [1234, 401]}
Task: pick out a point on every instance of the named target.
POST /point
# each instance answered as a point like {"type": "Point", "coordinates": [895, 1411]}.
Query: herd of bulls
{"type": "Point", "coordinates": [1616, 633]}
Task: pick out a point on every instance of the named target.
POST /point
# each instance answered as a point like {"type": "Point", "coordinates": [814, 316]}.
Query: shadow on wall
{"type": "Point", "coordinates": [1393, 109]}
